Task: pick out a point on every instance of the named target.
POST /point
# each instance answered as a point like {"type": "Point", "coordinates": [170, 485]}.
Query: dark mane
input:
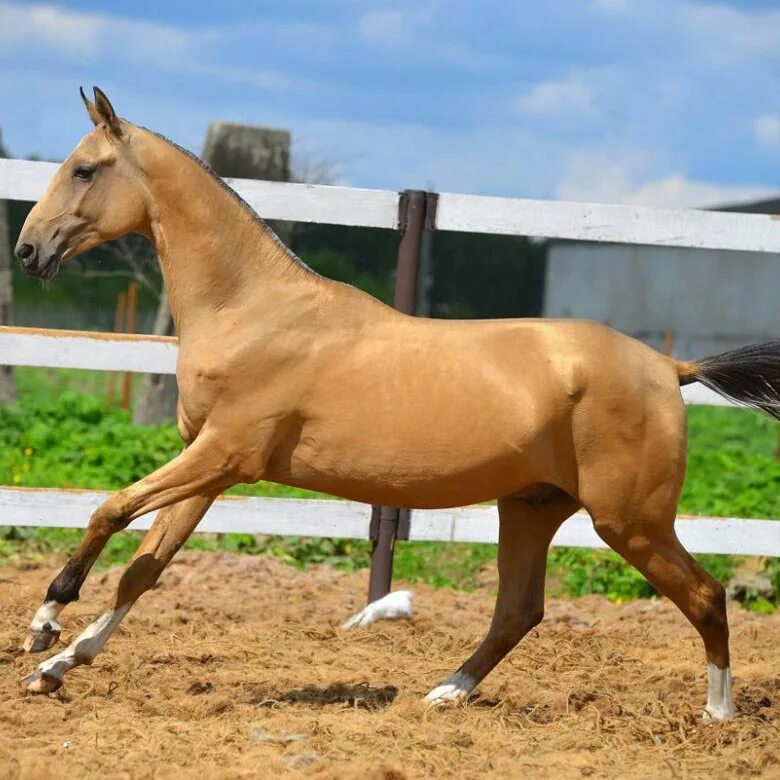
{"type": "Point", "coordinates": [225, 186]}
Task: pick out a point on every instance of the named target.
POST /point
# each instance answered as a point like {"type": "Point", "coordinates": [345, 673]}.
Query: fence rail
{"type": "Point", "coordinates": [350, 520]}
{"type": "Point", "coordinates": [26, 180]}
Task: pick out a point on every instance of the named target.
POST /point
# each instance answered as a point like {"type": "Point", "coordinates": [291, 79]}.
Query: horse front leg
{"type": "Point", "coordinates": [205, 467]}
{"type": "Point", "coordinates": [170, 530]}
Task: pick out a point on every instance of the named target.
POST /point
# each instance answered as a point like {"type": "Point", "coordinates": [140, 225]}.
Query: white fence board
{"type": "Point", "coordinates": [616, 224]}
{"type": "Point", "coordinates": [286, 517]}
{"type": "Point", "coordinates": [82, 349]}
{"type": "Point", "coordinates": [27, 180]}
{"type": "Point", "coordinates": [319, 203]}
{"type": "Point", "coordinates": [347, 519]}
{"type": "Point", "coordinates": [736, 536]}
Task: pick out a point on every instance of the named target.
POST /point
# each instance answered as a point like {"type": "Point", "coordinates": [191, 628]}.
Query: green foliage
{"type": "Point", "coordinates": [76, 442]}
{"type": "Point", "coordinates": [344, 268]}
{"type": "Point", "coordinates": [442, 564]}
{"type": "Point", "coordinates": [732, 467]}
{"type": "Point", "coordinates": [603, 572]}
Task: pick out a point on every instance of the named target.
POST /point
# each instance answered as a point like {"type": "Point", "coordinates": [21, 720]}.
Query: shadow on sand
{"type": "Point", "coordinates": [358, 695]}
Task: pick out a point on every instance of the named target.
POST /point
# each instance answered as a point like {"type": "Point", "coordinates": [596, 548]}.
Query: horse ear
{"type": "Point", "coordinates": [91, 110]}
{"type": "Point", "coordinates": [106, 112]}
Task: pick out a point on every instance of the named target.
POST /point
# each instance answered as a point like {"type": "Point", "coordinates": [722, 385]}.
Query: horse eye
{"type": "Point", "coordinates": [84, 172]}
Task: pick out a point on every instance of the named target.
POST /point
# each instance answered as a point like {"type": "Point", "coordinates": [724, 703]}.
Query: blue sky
{"type": "Point", "coordinates": [642, 101]}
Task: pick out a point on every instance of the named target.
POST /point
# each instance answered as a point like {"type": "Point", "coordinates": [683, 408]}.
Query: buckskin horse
{"type": "Point", "coordinates": [283, 376]}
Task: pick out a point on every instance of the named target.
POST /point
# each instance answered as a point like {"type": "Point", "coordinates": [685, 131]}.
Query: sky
{"type": "Point", "coordinates": [651, 102]}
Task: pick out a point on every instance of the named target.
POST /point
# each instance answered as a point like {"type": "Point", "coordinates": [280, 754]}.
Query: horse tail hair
{"type": "Point", "coordinates": [749, 376]}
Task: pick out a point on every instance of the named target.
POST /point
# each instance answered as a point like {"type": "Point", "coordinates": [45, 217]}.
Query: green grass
{"type": "Point", "coordinates": [61, 434]}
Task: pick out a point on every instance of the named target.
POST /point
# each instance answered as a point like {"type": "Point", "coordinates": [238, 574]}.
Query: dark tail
{"type": "Point", "coordinates": [748, 375]}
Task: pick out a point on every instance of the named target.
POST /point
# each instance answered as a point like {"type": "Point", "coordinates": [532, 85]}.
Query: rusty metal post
{"type": "Point", "coordinates": [130, 327]}
{"type": "Point", "coordinates": [416, 213]}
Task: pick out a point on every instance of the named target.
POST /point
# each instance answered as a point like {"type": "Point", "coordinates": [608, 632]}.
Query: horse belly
{"type": "Point", "coordinates": [412, 462]}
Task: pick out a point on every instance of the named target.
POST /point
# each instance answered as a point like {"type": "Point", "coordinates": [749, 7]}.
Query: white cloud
{"type": "Point", "coordinates": [678, 192]}
{"type": "Point", "coordinates": [767, 129]}
{"type": "Point", "coordinates": [385, 26]}
{"type": "Point", "coordinates": [726, 36]}
{"type": "Point", "coordinates": [572, 97]}
{"type": "Point", "coordinates": [85, 34]}
{"type": "Point", "coordinates": [102, 37]}
{"type": "Point", "coordinates": [598, 176]}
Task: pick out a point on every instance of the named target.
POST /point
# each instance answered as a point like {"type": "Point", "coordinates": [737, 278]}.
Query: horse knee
{"type": "Point", "coordinates": [106, 521]}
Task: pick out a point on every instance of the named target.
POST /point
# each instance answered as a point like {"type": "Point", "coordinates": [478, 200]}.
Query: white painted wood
{"type": "Point", "coordinates": [82, 349]}
{"type": "Point", "coordinates": [616, 224]}
{"type": "Point", "coordinates": [286, 517]}
{"type": "Point", "coordinates": [319, 203]}
{"type": "Point", "coordinates": [347, 519]}
{"type": "Point", "coordinates": [27, 180]}
{"type": "Point", "coordinates": [736, 536]}
{"type": "Point", "coordinates": [699, 395]}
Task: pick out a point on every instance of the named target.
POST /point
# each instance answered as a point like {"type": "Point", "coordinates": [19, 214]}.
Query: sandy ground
{"type": "Point", "coordinates": [234, 667]}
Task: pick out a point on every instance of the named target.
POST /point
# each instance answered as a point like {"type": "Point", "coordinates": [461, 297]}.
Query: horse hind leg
{"type": "Point", "coordinates": [526, 528]}
{"type": "Point", "coordinates": [643, 534]}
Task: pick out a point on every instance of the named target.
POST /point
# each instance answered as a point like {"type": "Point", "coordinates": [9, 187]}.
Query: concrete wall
{"type": "Point", "coordinates": [712, 300]}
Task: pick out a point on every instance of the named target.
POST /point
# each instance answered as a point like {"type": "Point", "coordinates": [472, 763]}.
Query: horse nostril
{"type": "Point", "coordinates": [26, 254]}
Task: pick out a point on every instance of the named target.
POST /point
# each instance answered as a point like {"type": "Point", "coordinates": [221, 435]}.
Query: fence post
{"type": "Point", "coordinates": [416, 213]}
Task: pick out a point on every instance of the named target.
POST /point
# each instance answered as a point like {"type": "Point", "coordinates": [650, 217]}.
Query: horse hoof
{"type": "Point", "coordinates": [718, 716]}
{"type": "Point", "coordinates": [40, 641]}
{"type": "Point", "coordinates": [39, 682]}
{"type": "Point", "coordinates": [455, 689]}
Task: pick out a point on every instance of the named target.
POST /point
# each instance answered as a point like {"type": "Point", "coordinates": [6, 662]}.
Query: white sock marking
{"type": "Point", "coordinates": [48, 612]}
{"type": "Point", "coordinates": [86, 646]}
{"type": "Point", "coordinates": [457, 687]}
{"type": "Point", "coordinates": [390, 607]}
{"type": "Point", "coordinates": [719, 703]}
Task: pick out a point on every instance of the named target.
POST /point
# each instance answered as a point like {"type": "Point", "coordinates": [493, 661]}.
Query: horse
{"type": "Point", "coordinates": [291, 377]}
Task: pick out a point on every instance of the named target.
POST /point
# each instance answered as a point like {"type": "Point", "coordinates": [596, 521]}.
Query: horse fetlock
{"type": "Point", "coordinates": [720, 705]}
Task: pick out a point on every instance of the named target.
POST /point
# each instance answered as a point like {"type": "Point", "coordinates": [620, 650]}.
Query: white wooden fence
{"type": "Point", "coordinates": [25, 180]}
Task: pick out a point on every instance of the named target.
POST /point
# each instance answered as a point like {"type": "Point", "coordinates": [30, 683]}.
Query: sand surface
{"type": "Point", "coordinates": [234, 667]}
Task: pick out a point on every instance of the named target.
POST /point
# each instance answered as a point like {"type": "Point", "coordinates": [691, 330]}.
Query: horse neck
{"type": "Point", "coordinates": [213, 251]}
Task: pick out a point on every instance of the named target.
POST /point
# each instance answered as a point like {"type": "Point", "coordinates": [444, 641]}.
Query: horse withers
{"type": "Point", "coordinates": [283, 376]}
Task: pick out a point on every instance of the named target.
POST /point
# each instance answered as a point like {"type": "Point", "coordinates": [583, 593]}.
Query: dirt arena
{"type": "Point", "coordinates": [234, 667]}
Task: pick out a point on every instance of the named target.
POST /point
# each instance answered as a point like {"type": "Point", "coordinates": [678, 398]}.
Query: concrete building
{"type": "Point", "coordinates": [702, 301]}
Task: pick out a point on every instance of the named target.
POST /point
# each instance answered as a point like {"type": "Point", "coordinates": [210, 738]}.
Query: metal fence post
{"type": "Point", "coordinates": [416, 213]}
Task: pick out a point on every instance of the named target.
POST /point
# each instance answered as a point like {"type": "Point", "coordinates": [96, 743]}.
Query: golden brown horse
{"type": "Point", "coordinates": [283, 375]}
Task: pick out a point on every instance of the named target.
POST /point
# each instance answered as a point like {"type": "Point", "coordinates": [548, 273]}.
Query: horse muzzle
{"type": "Point", "coordinates": [35, 261]}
